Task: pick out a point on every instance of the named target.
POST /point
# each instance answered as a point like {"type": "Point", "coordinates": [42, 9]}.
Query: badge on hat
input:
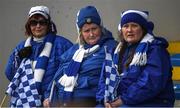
{"type": "Point", "coordinates": [88, 20]}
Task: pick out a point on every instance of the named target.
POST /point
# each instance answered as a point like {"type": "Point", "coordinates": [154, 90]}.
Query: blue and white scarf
{"type": "Point", "coordinates": [22, 88]}
{"type": "Point", "coordinates": [69, 79]}
{"type": "Point", "coordinates": [111, 66]}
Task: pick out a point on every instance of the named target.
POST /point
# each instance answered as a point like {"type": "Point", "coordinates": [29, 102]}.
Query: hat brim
{"type": "Point", "coordinates": [41, 13]}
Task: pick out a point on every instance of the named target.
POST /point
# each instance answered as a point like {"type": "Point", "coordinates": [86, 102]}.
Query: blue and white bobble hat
{"type": "Point", "coordinates": [88, 14]}
{"type": "Point", "coordinates": [43, 10]}
{"type": "Point", "coordinates": [140, 17]}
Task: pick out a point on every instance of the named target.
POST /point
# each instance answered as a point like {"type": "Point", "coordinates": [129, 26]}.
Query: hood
{"type": "Point", "coordinates": [161, 42]}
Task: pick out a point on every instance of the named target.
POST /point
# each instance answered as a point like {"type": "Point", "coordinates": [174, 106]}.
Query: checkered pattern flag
{"type": "Point", "coordinates": [112, 78]}
{"type": "Point", "coordinates": [22, 88]}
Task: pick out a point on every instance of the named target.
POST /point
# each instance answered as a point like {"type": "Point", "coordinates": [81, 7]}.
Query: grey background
{"type": "Point", "coordinates": [164, 13]}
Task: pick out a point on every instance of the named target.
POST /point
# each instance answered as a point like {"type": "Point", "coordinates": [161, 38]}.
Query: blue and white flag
{"type": "Point", "coordinates": [22, 88]}
{"type": "Point", "coordinates": [112, 77]}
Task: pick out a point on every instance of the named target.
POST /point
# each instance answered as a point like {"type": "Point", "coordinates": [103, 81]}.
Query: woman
{"type": "Point", "coordinates": [33, 62]}
{"type": "Point", "coordinates": [77, 77]}
{"type": "Point", "coordinates": [140, 71]}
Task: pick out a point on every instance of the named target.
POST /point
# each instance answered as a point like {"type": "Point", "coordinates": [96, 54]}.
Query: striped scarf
{"type": "Point", "coordinates": [111, 66]}
{"type": "Point", "coordinates": [69, 79]}
{"type": "Point", "coordinates": [22, 88]}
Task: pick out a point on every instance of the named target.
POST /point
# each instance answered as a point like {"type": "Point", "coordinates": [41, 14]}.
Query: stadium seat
{"type": "Point", "coordinates": [174, 49]}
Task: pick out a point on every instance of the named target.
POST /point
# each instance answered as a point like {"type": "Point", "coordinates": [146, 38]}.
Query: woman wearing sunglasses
{"type": "Point", "coordinates": [33, 62]}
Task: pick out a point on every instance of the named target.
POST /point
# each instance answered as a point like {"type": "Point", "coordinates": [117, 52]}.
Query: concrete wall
{"type": "Point", "coordinates": [164, 13]}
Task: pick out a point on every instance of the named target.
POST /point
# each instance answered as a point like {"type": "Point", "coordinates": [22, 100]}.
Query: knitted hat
{"type": "Point", "coordinates": [43, 10]}
{"type": "Point", "coordinates": [139, 17]}
{"type": "Point", "coordinates": [88, 14]}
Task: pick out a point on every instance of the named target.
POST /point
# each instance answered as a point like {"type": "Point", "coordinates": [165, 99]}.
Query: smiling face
{"type": "Point", "coordinates": [132, 32]}
{"type": "Point", "coordinates": [38, 26]}
{"type": "Point", "coordinates": [91, 33]}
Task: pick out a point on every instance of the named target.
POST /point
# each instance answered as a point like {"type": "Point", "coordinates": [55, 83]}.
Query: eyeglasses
{"type": "Point", "coordinates": [40, 22]}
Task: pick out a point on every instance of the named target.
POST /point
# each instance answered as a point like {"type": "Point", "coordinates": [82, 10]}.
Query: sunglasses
{"type": "Point", "coordinates": [40, 22]}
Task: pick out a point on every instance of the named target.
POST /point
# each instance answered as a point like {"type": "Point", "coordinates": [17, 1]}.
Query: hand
{"type": "Point", "coordinates": [116, 103]}
{"type": "Point", "coordinates": [107, 105]}
{"type": "Point", "coordinates": [46, 103]}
